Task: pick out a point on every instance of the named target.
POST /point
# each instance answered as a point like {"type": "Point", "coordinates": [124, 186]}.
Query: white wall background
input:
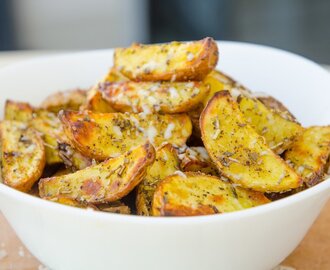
{"type": "Point", "coordinates": [79, 24]}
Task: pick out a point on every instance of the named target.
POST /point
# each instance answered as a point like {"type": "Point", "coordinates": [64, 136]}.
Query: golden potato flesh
{"type": "Point", "coordinates": [240, 153]}
{"type": "Point", "coordinates": [101, 136]}
{"type": "Point", "coordinates": [106, 182]}
{"type": "Point", "coordinates": [278, 131]}
{"type": "Point", "coordinates": [94, 101]}
{"type": "Point", "coordinates": [196, 159]}
{"type": "Point", "coordinates": [309, 153]}
{"type": "Point", "coordinates": [22, 155]}
{"type": "Point", "coordinates": [18, 111]}
{"type": "Point", "coordinates": [166, 163]}
{"type": "Point", "coordinates": [164, 97]}
{"type": "Point", "coordinates": [175, 61]}
{"type": "Point", "coordinates": [50, 128]}
{"type": "Point", "coordinates": [215, 81]}
{"type": "Point", "coordinates": [45, 122]}
{"type": "Point", "coordinates": [71, 99]}
{"type": "Point", "coordinates": [218, 81]}
{"type": "Point", "coordinates": [192, 194]}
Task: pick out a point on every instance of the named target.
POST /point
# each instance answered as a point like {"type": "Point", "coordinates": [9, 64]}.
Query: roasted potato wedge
{"type": "Point", "coordinates": [273, 104]}
{"type": "Point", "coordinates": [72, 159]}
{"type": "Point", "coordinates": [106, 182]}
{"type": "Point", "coordinates": [164, 97]}
{"type": "Point", "coordinates": [18, 111]}
{"type": "Point", "coordinates": [309, 153]}
{"type": "Point", "coordinates": [22, 155]}
{"type": "Point", "coordinates": [101, 136]}
{"type": "Point", "coordinates": [70, 100]}
{"type": "Point", "coordinates": [45, 122]}
{"type": "Point", "coordinates": [50, 127]}
{"type": "Point", "coordinates": [216, 81]}
{"type": "Point", "coordinates": [194, 194]}
{"type": "Point", "coordinates": [239, 152]}
{"type": "Point", "coordinates": [278, 131]}
{"type": "Point", "coordinates": [94, 101]}
{"type": "Point", "coordinates": [196, 159]}
{"type": "Point", "coordinates": [166, 163]}
{"type": "Point", "coordinates": [175, 61]}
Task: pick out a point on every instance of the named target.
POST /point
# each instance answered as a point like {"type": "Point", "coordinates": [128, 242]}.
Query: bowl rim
{"type": "Point", "coordinates": [86, 213]}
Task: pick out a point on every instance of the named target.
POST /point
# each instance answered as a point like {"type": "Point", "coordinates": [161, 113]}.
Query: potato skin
{"type": "Point", "coordinates": [163, 97]}
{"type": "Point", "coordinates": [166, 163]}
{"type": "Point", "coordinates": [70, 99]}
{"type": "Point", "coordinates": [279, 132]}
{"type": "Point", "coordinates": [309, 153]}
{"type": "Point", "coordinates": [194, 194]}
{"type": "Point", "coordinates": [273, 104]}
{"type": "Point", "coordinates": [101, 136]}
{"type": "Point", "coordinates": [22, 155]}
{"type": "Point", "coordinates": [239, 152]}
{"type": "Point", "coordinates": [175, 61]}
{"type": "Point", "coordinates": [106, 182]}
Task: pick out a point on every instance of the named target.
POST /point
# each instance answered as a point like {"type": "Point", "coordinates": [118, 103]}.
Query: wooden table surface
{"type": "Point", "coordinates": [313, 253]}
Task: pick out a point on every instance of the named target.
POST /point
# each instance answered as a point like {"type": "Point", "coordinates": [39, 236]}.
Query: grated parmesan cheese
{"type": "Point", "coordinates": [179, 173]}
{"type": "Point", "coordinates": [146, 109]}
{"type": "Point", "coordinates": [190, 84]}
{"type": "Point", "coordinates": [168, 131]}
{"type": "Point", "coordinates": [300, 169]}
{"type": "Point", "coordinates": [282, 176]}
{"type": "Point", "coordinates": [235, 92]}
{"type": "Point", "coordinates": [152, 100]}
{"type": "Point", "coordinates": [143, 93]}
{"type": "Point", "coordinates": [117, 131]}
{"type": "Point", "coordinates": [202, 152]}
{"type": "Point", "coordinates": [30, 148]}
{"type": "Point", "coordinates": [151, 134]}
{"type": "Point", "coordinates": [190, 56]}
{"type": "Point", "coordinates": [196, 91]}
{"type": "Point", "coordinates": [173, 92]}
{"type": "Point", "coordinates": [216, 134]}
{"type": "Point", "coordinates": [151, 65]}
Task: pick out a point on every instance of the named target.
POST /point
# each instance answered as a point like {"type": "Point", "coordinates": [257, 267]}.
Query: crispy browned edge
{"type": "Point", "coordinates": [135, 178]}
{"type": "Point", "coordinates": [195, 71]}
{"type": "Point", "coordinates": [274, 104]}
{"type": "Point", "coordinates": [169, 210]}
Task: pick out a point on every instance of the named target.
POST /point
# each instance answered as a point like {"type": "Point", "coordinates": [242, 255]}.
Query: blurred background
{"type": "Point", "coordinates": [300, 26]}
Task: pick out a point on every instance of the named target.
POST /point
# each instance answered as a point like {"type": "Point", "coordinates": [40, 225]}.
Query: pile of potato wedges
{"type": "Point", "coordinates": [162, 134]}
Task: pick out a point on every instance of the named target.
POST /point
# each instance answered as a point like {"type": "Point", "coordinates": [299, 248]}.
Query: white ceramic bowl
{"type": "Point", "coordinates": [66, 238]}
